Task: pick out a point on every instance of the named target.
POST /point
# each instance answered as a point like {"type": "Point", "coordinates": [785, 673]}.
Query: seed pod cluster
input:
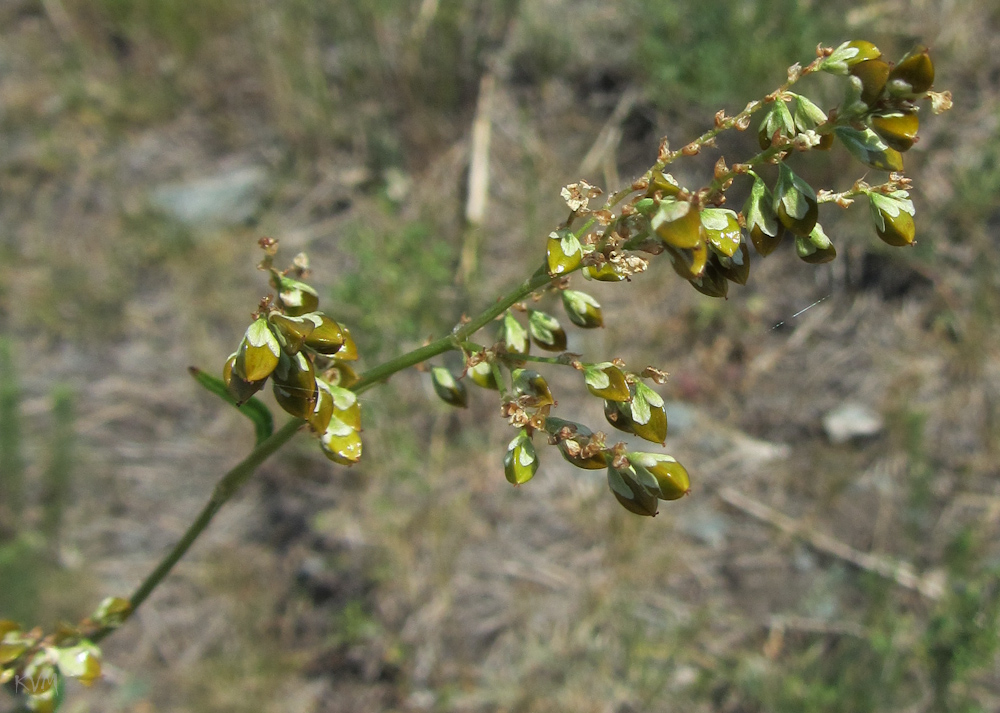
{"type": "Point", "coordinates": [306, 354]}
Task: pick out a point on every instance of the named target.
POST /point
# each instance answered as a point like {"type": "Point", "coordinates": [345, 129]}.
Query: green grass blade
{"type": "Point", "coordinates": [254, 409]}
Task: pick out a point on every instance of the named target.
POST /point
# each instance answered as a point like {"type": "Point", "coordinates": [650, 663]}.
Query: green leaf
{"type": "Point", "coordinates": [254, 409]}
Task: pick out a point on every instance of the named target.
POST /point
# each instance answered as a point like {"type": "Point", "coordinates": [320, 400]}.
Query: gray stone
{"type": "Point", "coordinates": [228, 198]}
{"type": "Point", "coordinates": [850, 421]}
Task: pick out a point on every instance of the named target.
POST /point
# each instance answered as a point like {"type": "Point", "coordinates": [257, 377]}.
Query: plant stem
{"type": "Point", "coordinates": [234, 479]}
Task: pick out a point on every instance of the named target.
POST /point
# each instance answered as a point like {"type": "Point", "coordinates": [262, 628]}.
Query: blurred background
{"type": "Point", "coordinates": [839, 549]}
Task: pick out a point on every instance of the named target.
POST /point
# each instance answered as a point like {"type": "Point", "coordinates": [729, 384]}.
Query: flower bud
{"type": "Point", "coordinates": [606, 381]}
{"type": "Point", "coordinates": [672, 481]}
{"type": "Point", "coordinates": [482, 375]}
{"type": "Point", "coordinates": [258, 355]}
{"type": "Point", "coordinates": [582, 309]}
{"type": "Point", "coordinates": [563, 252]}
{"type": "Point", "coordinates": [513, 335]}
{"type": "Point", "coordinates": [677, 223]}
{"type": "Point", "coordinates": [546, 331]}
{"type": "Point", "coordinates": [520, 463]}
{"type": "Point", "coordinates": [893, 217]}
{"type": "Point", "coordinates": [630, 493]}
{"type": "Point", "coordinates": [328, 337]}
{"type": "Point", "coordinates": [295, 385]}
{"type": "Point", "coordinates": [795, 202]}
{"type": "Point", "coordinates": [448, 389]}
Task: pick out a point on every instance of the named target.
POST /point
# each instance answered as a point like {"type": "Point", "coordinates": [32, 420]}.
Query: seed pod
{"type": "Point", "coordinates": [893, 217]}
{"type": "Point", "coordinates": [762, 222]}
{"type": "Point", "coordinates": [328, 337]}
{"type": "Point", "coordinates": [292, 330]}
{"type": "Point", "coordinates": [630, 493]}
{"type": "Point", "coordinates": [340, 374]}
{"type": "Point", "coordinates": [448, 389]}
{"type": "Point", "coordinates": [619, 415]}
{"type": "Point", "coordinates": [689, 264]}
{"type": "Point", "coordinates": [664, 184]}
{"type": "Point", "coordinates": [520, 463]}
{"type": "Point", "coordinates": [341, 443]}
{"type": "Point", "coordinates": [528, 382]}
{"type": "Point", "coordinates": [849, 54]}
{"type": "Point", "coordinates": [482, 375]}
{"type": "Point", "coordinates": [677, 223]}
{"type": "Point", "coordinates": [295, 385]}
{"type": "Point", "coordinates": [258, 355]}
{"type": "Point", "coordinates": [777, 120]}
{"type": "Point", "coordinates": [604, 273]}
{"type": "Point", "coordinates": [82, 662]}
{"type": "Point", "coordinates": [873, 73]}
{"type": "Point", "coordinates": [578, 447]}
{"type": "Point", "coordinates": [319, 420]}
{"type": "Point", "coordinates": [349, 350]}
{"type": "Point", "coordinates": [582, 309]}
{"type": "Point", "coordinates": [546, 331]}
{"type": "Point", "coordinates": [513, 335]}
{"type": "Point", "coordinates": [563, 252]}
{"type": "Point", "coordinates": [736, 268]}
{"type": "Point", "coordinates": [816, 248]}
{"type": "Point", "coordinates": [869, 149]}
{"type": "Point", "coordinates": [915, 70]}
{"type": "Point", "coordinates": [711, 281]}
{"type": "Point", "coordinates": [898, 130]}
{"type": "Point", "coordinates": [672, 481]}
{"type": "Point", "coordinates": [721, 229]}
{"type": "Point", "coordinates": [649, 418]}
{"type": "Point", "coordinates": [238, 387]}
{"type": "Point", "coordinates": [795, 202]}
{"type": "Point", "coordinates": [346, 407]}
{"type": "Point", "coordinates": [606, 381]}
{"type": "Point", "coordinates": [296, 298]}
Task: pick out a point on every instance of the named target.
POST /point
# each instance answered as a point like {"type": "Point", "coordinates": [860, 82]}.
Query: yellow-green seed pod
{"type": "Point", "coordinates": [546, 331]}
{"type": "Point", "coordinates": [327, 337]}
{"type": "Point", "coordinates": [849, 54]}
{"type": "Point", "coordinates": [563, 252]}
{"type": "Point", "coordinates": [341, 443]}
{"type": "Point", "coordinates": [295, 385]}
{"type": "Point", "coordinates": [578, 448]}
{"type": "Point", "coordinates": [346, 407]}
{"type": "Point", "coordinates": [111, 612]}
{"type": "Point", "coordinates": [761, 220]}
{"type": "Point", "coordinates": [816, 248]}
{"type": "Point", "coordinates": [898, 130]}
{"type": "Point", "coordinates": [737, 268]}
{"type": "Point", "coordinates": [677, 223]}
{"type": "Point", "coordinates": [482, 375]}
{"type": "Point", "coordinates": [340, 374]}
{"type": "Point", "coordinates": [795, 202]}
{"type": "Point", "coordinates": [296, 298]}
{"type": "Point", "coordinates": [238, 387]}
{"type": "Point", "coordinates": [916, 70]}
{"type": "Point", "coordinates": [448, 388]}
{"type": "Point", "coordinates": [711, 282]}
{"type": "Point", "coordinates": [520, 463]}
{"type": "Point", "coordinates": [619, 415]}
{"type": "Point", "coordinates": [259, 353]}
{"type": "Point", "coordinates": [604, 273]}
{"type": "Point", "coordinates": [528, 382]}
{"type": "Point", "coordinates": [893, 217]}
{"type": "Point", "coordinates": [689, 264]}
{"type": "Point", "coordinates": [870, 149]}
{"type": "Point", "coordinates": [349, 350]}
{"type": "Point", "coordinates": [874, 74]}
{"type": "Point", "coordinates": [606, 381]}
{"type": "Point", "coordinates": [582, 309]}
{"type": "Point", "coordinates": [672, 480]}
{"type": "Point", "coordinates": [319, 420]}
{"type": "Point", "coordinates": [664, 184]}
{"type": "Point", "coordinates": [513, 335]}
{"type": "Point", "coordinates": [292, 330]}
{"type": "Point", "coordinates": [766, 244]}
{"type": "Point", "coordinates": [82, 662]}
{"type": "Point", "coordinates": [630, 493]}
{"type": "Point", "coordinates": [721, 230]}
{"type": "Point", "coordinates": [649, 418]}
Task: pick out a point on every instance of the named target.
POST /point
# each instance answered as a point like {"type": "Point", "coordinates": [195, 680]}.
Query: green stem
{"type": "Point", "coordinates": [233, 480]}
